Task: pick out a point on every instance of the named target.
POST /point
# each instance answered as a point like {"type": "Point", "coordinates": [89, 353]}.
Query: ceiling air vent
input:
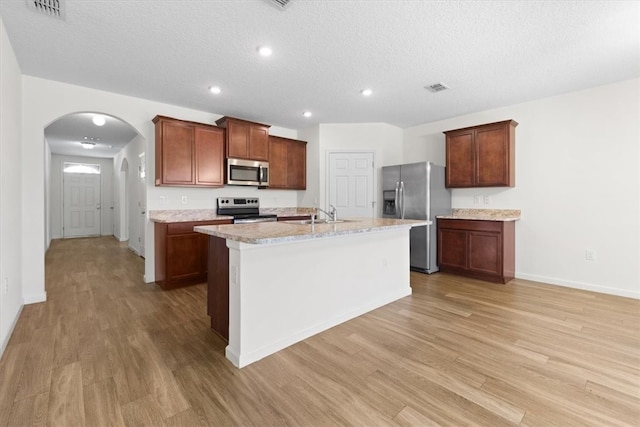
{"type": "Point", "coordinates": [280, 3]}
{"type": "Point", "coordinates": [53, 8]}
{"type": "Point", "coordinates": [436, 87]}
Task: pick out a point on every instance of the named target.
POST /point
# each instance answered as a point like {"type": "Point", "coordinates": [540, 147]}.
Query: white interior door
{"type": "Point", "coordinates": [81, 204]}
{"type": "Point", "coordinates": [351, 184]}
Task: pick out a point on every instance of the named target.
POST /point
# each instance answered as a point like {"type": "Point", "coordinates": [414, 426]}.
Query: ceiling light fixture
{"type": "Point", "coordinates": [436, 87]}
{"type": "Point", "coordinates": [88, 145]}
{"type": "Point", "coordinates": [98, 120]}
{"type": "Point", "coordinates": [215, 90]}
{"type": "Point", "coordinates": [265, 51]}
{"type": "Point", "coordinates": [307, 114]}
{"type": "Point", "coordinates": [366, 92]}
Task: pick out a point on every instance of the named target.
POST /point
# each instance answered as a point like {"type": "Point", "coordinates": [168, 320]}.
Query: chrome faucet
{"type": "Point", "coordinates": [333, 212]}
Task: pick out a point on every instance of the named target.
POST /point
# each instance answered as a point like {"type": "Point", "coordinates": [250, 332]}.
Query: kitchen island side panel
{"type": "Point", "coordinates": [282, 293]}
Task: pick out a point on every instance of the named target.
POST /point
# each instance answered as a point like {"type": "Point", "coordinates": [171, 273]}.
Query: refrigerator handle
{"type": "Point", "coordinates": [401, 199]}
{"type": "Point", "coordinates": [396, 201]}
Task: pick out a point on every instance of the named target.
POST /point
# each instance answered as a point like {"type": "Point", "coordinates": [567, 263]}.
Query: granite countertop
{"type": "Point", "coordinates": [484, 214]}
{"type": "Point", "coordinates": [276, 232]}
{"type": "Point", "coordinates": [192, 215]}
{"type": "Point", "coordinates": [289, 211]}
{"type": "Point", "coordinates": [186, 215]}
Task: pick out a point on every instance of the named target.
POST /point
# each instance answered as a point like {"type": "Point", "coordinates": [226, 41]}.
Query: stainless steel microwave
{"type": "Point", "coordinates": [247, 172]}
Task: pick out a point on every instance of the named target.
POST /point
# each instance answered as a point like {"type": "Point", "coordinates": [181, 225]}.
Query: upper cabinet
{"type": "Point", "coordinates": [188, 153]}
{"type": "Point", "coordinates": [481, 156]}
{"type": "Point", "coordinates": [287, 163]}
{"type": "Point", "coordinates": [246, 140]}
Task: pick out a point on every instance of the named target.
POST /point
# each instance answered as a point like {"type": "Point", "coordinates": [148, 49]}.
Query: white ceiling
{"type": "Point", "coordinates": [490, 53]}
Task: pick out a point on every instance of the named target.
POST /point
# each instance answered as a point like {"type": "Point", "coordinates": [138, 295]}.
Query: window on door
{"type": "Point", "coordinates": [81, 168]}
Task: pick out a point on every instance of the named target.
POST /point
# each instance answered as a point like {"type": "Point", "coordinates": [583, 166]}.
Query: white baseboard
{"type": "Point", "coordinates": [6, 339]}
{"type": "Point", "coordinates": [34, 298]}
{"type": "Point", "coordinates": [580, 285]}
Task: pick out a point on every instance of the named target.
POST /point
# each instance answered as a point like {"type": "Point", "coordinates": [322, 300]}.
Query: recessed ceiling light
{"type": "Point", "coordinates": [215, 90]}
{"type": "Point", "coordinates": [87, 145]}
{"type": "Point", "coordinates": [366, 92]}
{"type": "Point", "coordinates": [98, 120]}
{"type": "Point", "coordinates": [265, 50]}
{"type": "Point", "coordinates": [307, 114]}
{"type": "Point", "coordinates": [436, 87]}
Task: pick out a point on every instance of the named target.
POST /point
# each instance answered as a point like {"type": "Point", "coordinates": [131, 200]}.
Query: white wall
{"type": "Point", "coordinates": [56, 192]}
{"type": "Point", "coordinates": [47, 195]}
{"type": "Point", "coordinates": [577, 183]}
{"type": "Point", "coordinates": [312, 193]}
{"type": "Point", "coordinates": [384, 140]}
{"type": "Point", "coordinates": [11, 300]}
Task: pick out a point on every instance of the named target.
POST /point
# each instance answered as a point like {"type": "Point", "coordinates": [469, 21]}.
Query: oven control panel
{"type": "Point", "coordinates": [238, 202]}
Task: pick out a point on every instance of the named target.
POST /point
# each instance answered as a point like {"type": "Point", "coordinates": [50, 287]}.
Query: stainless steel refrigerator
{"type": "Point", "coordinates": [417, 191]}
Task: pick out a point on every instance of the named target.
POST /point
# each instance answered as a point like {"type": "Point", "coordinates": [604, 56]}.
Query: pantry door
{"type": "Point", "coordinates": [81, 204]}
{"type": "Point", "coordinates": [351, 184]}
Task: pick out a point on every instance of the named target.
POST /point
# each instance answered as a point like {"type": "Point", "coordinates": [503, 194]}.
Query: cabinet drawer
{"type": "Point", "coordinates": [471, 225]}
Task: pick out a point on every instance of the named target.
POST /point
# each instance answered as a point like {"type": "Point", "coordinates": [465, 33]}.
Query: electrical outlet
{"type": "Point", "coordinates": [486, 200]}
{"type": "Point", "coordinates": [184, 200]}
{"type": "Point", "coordinates": [164, 200]}
{"type": "Point", "coordinates": [476, 199]}
{"type": "Point", "coordinates": [590, 255]}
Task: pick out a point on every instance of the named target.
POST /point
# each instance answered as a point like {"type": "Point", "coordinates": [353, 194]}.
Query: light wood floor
{"type": "Point", "coordinates": [107, 349]}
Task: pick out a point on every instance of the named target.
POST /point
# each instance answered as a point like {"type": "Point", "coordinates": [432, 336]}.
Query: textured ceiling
{"type": "Point", "coordinates": [490, 53]}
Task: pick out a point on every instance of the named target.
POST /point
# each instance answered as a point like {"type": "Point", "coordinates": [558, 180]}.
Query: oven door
{"type": "Point", "coordinates": [247, 172]}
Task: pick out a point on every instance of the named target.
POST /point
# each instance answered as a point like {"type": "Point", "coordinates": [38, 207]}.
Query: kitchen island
{"type": "Point", "coordinates": [290, 280]}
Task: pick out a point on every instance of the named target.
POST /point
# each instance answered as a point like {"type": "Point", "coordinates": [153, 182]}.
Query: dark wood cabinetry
{"type": "Point", "coordinates": [246, 140]}
{"type": "Point", "coordinates": [188, 154]}
{"type": "Point", "coordinates": [181, 254]}
{"type": "Point", "coordinates": [481, 156]}
{"type": "Point", "coordinates": [479, 249]}
{"type": "Point", "coordinates": [218, 286]}
{"type": "Point", "coordinates": [287, 163]}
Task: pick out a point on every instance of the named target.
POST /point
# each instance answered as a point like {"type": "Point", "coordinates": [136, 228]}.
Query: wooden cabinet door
{"type": "Point", "coordinates": [184, 257]}
{"type": "Point", "coordinates": [452, 248]}
{"type": "Point", "coordinates": [176, 153]}
{"type": "Point", "coordinates": [297, 165]}
{"type": "Point", "coordinates": [492, 156]}
{"type": "Point", "coordinates": [258, 143]}
{"type": "Point", "coordinates": [485, 252]}
{"type": "Point", "coordinates": [209, 156]}
{"type": "Point", "coordinates": [277, 162]}
{"type": "Point", "coordinates": [460, 155]}
{"type": "Point", "coordinates": [237, 139]}
{"type": "Point", "coordinates": [218, 286]}
{"type": "Point", "coordinates": [481, 156]}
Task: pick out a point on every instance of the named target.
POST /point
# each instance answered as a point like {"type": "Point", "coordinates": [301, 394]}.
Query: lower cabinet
{"type": "Point", "coordinates": [181, 254]}
{"type": "Point", "coordinates": [480, 249]}
{"type": "Point", "coordinates": [218, 286]}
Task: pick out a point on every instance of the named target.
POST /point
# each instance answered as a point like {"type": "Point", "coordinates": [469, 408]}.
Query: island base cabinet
{"type": "Point", "coordinates": [181, 254]}
{"type": "Point", "coordinates": [218, 286]}
{"type": "Point", "coordinates": [285, 292]}
{"type": "Point", "coordinates": [479, 249]}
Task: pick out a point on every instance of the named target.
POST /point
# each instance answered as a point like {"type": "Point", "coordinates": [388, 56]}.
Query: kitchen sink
{"type": "Point", "coordinates": [318, 221]}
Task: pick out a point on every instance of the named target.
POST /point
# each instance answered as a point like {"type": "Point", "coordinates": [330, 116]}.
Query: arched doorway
{"type": "Point", "coordinates": [97, 138]}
